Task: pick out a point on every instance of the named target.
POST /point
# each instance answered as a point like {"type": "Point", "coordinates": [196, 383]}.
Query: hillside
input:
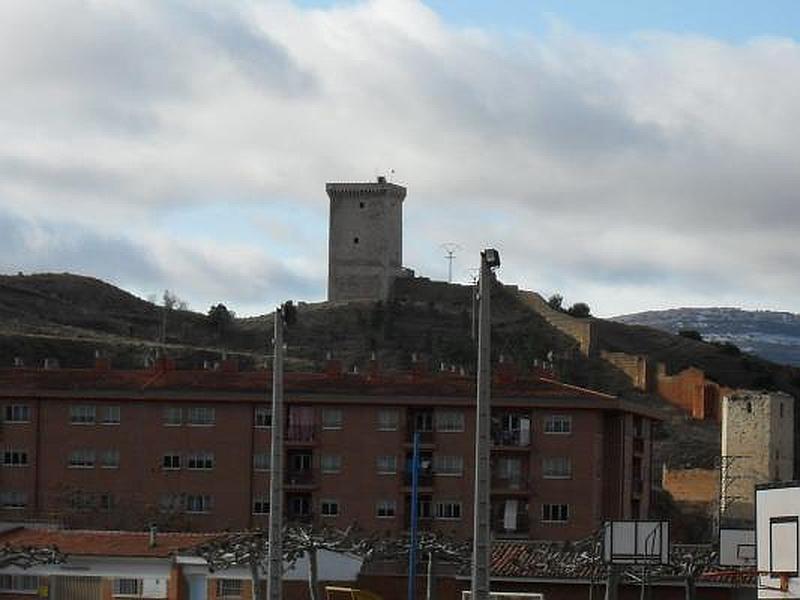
{"type": "Point", "coordinates": [772, 335]}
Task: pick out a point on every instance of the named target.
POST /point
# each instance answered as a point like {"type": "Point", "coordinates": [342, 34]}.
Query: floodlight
{"type": "Point", "coordinates": [492, 258]}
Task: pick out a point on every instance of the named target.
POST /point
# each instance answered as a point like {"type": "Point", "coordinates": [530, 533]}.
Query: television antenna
{"type": "Point", "coordinates": [450, 249]}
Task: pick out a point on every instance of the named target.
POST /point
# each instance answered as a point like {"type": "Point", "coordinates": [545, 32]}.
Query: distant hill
{"type": "Point", "coordinates": [772, 335]}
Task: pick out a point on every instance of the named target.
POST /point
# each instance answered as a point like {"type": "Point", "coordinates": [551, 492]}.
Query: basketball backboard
{"type": "Point", "coordinates": [778, 539]}
{"type": "Point", "coordinates": [737, 548]}
{"type": "Point", "coordinates": [636, 542]}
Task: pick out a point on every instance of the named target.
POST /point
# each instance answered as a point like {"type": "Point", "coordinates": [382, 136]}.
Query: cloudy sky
{"type": "Point", "coordinates": [633, 158]}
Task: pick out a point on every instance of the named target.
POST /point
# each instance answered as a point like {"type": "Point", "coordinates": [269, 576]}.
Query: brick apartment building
{"type": "Point", "coordinates": [189, 450]}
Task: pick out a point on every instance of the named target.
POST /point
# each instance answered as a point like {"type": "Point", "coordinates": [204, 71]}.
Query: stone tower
{"type": "Point", "coordinates": [365, 239]}
{"type": "Point", "coordinates": [757, 447]}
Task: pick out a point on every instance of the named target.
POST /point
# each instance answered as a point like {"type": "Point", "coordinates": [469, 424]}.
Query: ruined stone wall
{"type": "Point", "coordinates": [581, 330]}
{"type": "Point", "coordinates": [365, 239]}
{"type": "Point", "coordinates": [693, 486]}
{"type": "Point", "coordinates": [634, 366]}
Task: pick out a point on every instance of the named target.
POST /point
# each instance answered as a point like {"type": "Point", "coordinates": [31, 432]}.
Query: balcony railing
{"type": "Point", "coordinates": [300, 478]}
{"type": "Point", "coordinates": [299, 517]}
{"type": "Point", "coordinates": [515, 527]}
{"type": "Point", "coordinates": [514, 483]}
{"type": "Point", "coordinates": [425, 478]}
{"type": "Point", "coordinates": [425, 437]}
{"type": "Point", "coordinates": [303, 434]}
{"type": "Point", "coordinates": [511, 438]}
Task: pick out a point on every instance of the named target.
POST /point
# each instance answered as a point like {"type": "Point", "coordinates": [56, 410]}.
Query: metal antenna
{"type": "Point", "coordinates": [450, 248]}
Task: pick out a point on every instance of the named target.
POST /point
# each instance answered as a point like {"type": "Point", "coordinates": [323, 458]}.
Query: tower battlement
{"type": "Point", "coordinates": [365, 239]}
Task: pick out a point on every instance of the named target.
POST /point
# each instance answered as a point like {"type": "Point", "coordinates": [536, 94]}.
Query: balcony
{"type": "Point", "coordinates": [300, 435]}
{"type": "Point", "coordinates": [425, 437]}
{"type": "Point", "coordinates": [517, 484]}
{"type": "Point", "coordinates": [511, 439]}
{"type": "Point", "coordinates": [518, 527]}
{"type": "Point", "coordinates": [300, 479]}
{"type": "Point", "coordinates": [425, 479]}
{"type": "Point", "coordinates": [300, 518]}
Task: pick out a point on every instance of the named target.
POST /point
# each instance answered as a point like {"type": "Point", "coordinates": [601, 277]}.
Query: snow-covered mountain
{"type": "Point", "coordinates": [769, 334]}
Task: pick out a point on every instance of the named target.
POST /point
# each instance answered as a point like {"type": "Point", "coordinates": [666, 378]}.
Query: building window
{"type": "Point", "coordinates": [13, 500]}
{"type": "Point", "coordinates": [331, 463]}
{"type": "Point", "coordinates": [82, 414]}
{"type": "Point", "coordinates": [260, 505]}
{"type": "Point", "coordinates": [110, 415]}
{"type": "Point", "coordinates": [200, 416]}
{"type": "Point", "coordinates": [261, 461]}
{"type": "Point", "coordinates": [171, 503]}
{"type": "Point", "coordinates": [387, 465]}
{"type": "Point", "coordinates": [448, 510]}
{"type": "Point", "coordinates": [781, 410]}
{"type": "Point", "coordinates": [198, 503]}
{"type": "Point", "coordinates": [386, 509]}
{"type": "Point", "coordinates": [173, 416]}
{"type": "Point", "coordinates": [448, 465]}
{"type": "Point", "coordinates": [558, 424]}
{"type": "Point", "coordinates": [449, 420]}
{"type": "Point", "coordinates": [127, 588]}
{"type": "Point", "coordinates": [105, 502]}
{"type": "Point", "coordinates": [388, 419]}
{"type": "Point", "coordinates": [17, 413]}
{"type": "Point", "coordinates": [263, 417]}
{"type": "Point", "coordinates": [555, 513]}
{"type": "Point", "coordinates": [15, 458]}
{"type": "Point", "coordinates": [171, 462]}
{"type": "Point", "coordinates": [109, 459]}
{"type": "Point", "coordinates": [556, 467]}
{"type": "Point", "coordinates": [200, 461]}
{"type": "Point", "coordinates": [229, 588]}
{"type": "Point", "coordinates": [20, 584]}
{"type": "Point", "coordinates": [329, 508]}
{"type": "Point", "coordinates": [81, 459]}
{"type": "Point", "coordinates": [332, 418]}
{"type": "Point", "coordinates": [82, 501]}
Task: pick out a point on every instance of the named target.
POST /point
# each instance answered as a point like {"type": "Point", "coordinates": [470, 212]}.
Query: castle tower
{"type": "Point", "coordinates": [757, 447]}
{"type": "Point", "coordinates": [365, 239]}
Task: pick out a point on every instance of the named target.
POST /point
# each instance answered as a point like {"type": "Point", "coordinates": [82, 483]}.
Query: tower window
{"type": "Point", "coordinates": [355, 240]}
{"type": "Point", "coordinates": [360, 205]}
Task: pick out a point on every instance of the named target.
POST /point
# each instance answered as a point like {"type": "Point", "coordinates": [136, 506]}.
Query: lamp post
{"type": "Point", "coordinates": [275, 560]}
{"type": "Point", "coordinates": [481, 551]}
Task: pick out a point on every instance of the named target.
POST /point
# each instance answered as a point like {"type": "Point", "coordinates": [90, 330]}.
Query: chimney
{"type": "Point", "coordinates": [153, 532]}
{"type": "Point", "coordinates": [101, 363]}
{"type": "Point", "coordinates": [381, 179]}
{"type": "Point", "coordinates": [18, 362]}
{"type": "Point", "coordinates": [333, 367]}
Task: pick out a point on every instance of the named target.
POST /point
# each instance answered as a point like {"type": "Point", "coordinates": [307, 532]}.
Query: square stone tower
{"type": "Point", "coordinates": [365, 239]}
{"type": "Point", "coordinates": [757, 447]}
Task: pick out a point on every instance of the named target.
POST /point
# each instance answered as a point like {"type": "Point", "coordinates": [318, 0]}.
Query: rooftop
{"type": "Point", "coordinates": [125, 544]}
{"type": "Point", "coordinates": [243, 385]}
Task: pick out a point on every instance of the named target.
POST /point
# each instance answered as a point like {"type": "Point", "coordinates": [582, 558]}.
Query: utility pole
{"type": "Point", "coordinates": [412, 552]}
{"type": "Point", "coordinates": [275, 560]}
{"type": "Point", "coordinates": [450, 248]}
{"type": "Point", "coordinates": [481, 551]}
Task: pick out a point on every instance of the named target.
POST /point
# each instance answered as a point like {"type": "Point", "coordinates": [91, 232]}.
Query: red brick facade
{"type": "Point", "coordinates": [120, 450]}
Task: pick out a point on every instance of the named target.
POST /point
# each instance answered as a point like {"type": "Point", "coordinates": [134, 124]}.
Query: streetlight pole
{"type": "Point", "coordinates": [481, 550]}
{"type": "Point", "coordinates": [275, 560]}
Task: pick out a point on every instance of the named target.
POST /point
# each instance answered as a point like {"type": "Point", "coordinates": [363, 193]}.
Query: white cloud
{"type": "Point", "coordinates": [660, 169]}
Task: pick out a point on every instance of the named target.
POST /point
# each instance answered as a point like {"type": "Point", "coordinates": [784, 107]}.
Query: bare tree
{"type": "Point", "coordinates": [25, 557]}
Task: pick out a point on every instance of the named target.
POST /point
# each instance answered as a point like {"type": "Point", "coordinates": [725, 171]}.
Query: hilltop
{"type": "Point", "coordinates": [772, 335]}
